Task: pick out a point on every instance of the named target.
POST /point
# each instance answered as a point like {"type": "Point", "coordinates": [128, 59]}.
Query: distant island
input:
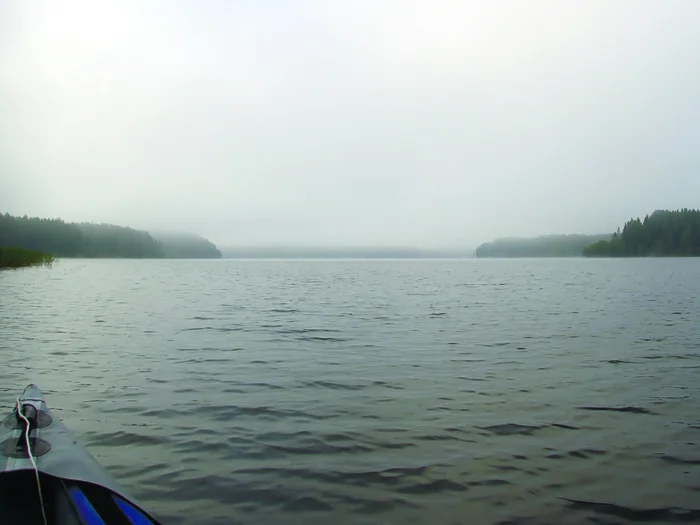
{"type": "Point", "coordinates": [664, 233]}
{"type": "Point", "coordinates": [300, 252]}
{"type": "Point", "coordinates": [543, 246]}
{"type": "Point", "coordinates": [57, 238]}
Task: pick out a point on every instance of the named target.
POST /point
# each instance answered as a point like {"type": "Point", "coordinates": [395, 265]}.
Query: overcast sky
{"type": "Point", "coordinates": [424, 123]}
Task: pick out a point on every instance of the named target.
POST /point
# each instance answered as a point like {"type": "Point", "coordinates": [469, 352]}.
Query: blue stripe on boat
{"type": "Point", "coordinates": [134, 514]}
{"type": "Point", "coordinates": [85, 509]}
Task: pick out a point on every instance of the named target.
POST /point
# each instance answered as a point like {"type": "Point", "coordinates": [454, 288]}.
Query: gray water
{"type": "Point", "coordinates": [392, 392]}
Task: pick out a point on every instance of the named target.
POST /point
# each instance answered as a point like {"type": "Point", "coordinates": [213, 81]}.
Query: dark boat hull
{"type": "Point", "coordinates": [75, 489]}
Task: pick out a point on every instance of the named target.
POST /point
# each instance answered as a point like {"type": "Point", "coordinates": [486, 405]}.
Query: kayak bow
{"type": "Point", "coordinates": [75, 489]}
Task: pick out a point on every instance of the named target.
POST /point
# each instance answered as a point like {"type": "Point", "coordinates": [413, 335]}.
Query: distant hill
{"type": "Point", "coordinates": [280, 252]}
{"type": "Point", "coordinates": [187, 246]}
{"type": "Point", "coordinates": [544, 246]}
{"type": "Point", "coordinates": [664, 233]}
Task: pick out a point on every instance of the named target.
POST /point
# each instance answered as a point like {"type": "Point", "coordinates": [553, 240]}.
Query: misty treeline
{"type": "Point", "coordinates": [543, 246]}
{"type": "Point", "coordinates": [187, 246]}
{"type": "Point", "coordinates": [64, 239]}
{"type": "Point", "coordinates": [663, 233]}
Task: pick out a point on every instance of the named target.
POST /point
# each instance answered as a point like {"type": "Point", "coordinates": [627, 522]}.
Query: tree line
{"type": "Point", "coordinates": [544, 246]}
{"type": "Point", "coordinates": [64, 239]}
{"type": "Point", "coordinates": [663, 233]}
{"type": "Point", "coordinates": [187, 246]}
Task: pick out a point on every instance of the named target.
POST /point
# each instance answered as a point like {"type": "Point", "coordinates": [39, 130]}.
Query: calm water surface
{"type": "Point", "coordinates": [387, 392]}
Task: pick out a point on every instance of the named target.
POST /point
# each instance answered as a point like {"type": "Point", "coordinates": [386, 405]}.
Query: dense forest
{"type": "Point", "coordinates": [64, 239]}
{"type": "Point", "coordinates": [544, 246]}
{"type": "Point", "coordinates": [663, 233]}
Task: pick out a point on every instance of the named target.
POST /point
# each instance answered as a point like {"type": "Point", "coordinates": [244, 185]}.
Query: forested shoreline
{"type": "Point", "coordinates": [31, 240]}
{"type": "Point", "coordinates": [58, 238]}
{"type": "Point", "coordinates": [664, 233]}
{"type": "Point", "coordinates": [543, 246]}
{"type": "Point", "coordinates": [186, 246]}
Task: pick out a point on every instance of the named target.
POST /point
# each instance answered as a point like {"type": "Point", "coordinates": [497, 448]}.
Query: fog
{"type": "Point", "coordinates": [375, 122]}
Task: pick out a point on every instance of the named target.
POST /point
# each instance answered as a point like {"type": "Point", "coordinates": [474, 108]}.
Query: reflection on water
{"type": "Point", "coordinates": [550, 391]}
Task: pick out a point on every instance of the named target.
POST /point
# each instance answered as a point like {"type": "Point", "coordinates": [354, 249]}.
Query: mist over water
{"type": "Point", "coordinates": [430, 123]}
{"type": "Point", "coordinates": [538, 391]}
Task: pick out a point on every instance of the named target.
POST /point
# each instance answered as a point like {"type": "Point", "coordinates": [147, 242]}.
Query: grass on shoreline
{"type": "Point", "coordinates": [21, 258]}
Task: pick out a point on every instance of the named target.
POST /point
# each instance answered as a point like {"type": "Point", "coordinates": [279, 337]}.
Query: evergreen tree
{"type": "Point", "coordinates": [663, 233]}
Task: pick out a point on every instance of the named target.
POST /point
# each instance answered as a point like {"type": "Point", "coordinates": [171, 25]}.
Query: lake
{"type": "Point", "coordinates": [558, 391]}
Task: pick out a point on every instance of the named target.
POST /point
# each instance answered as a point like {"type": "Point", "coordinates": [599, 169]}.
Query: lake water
{"type": "Point", "coordinates": [361, 392]}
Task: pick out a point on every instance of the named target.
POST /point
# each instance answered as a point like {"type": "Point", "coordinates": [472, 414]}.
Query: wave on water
{"type": "Point", "coordinates": [394, 392]}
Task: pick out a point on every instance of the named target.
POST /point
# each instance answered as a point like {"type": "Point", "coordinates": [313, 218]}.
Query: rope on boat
{"type": "Point", "coordinates": [31, 457]}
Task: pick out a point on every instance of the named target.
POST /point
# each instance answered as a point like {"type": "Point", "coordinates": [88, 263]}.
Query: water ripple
{"type": "Point", "coordinates": [382, 392]}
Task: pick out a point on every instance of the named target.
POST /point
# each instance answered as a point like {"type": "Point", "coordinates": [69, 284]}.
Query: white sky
{"type": "Point", "coordinates": [424, 123]}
